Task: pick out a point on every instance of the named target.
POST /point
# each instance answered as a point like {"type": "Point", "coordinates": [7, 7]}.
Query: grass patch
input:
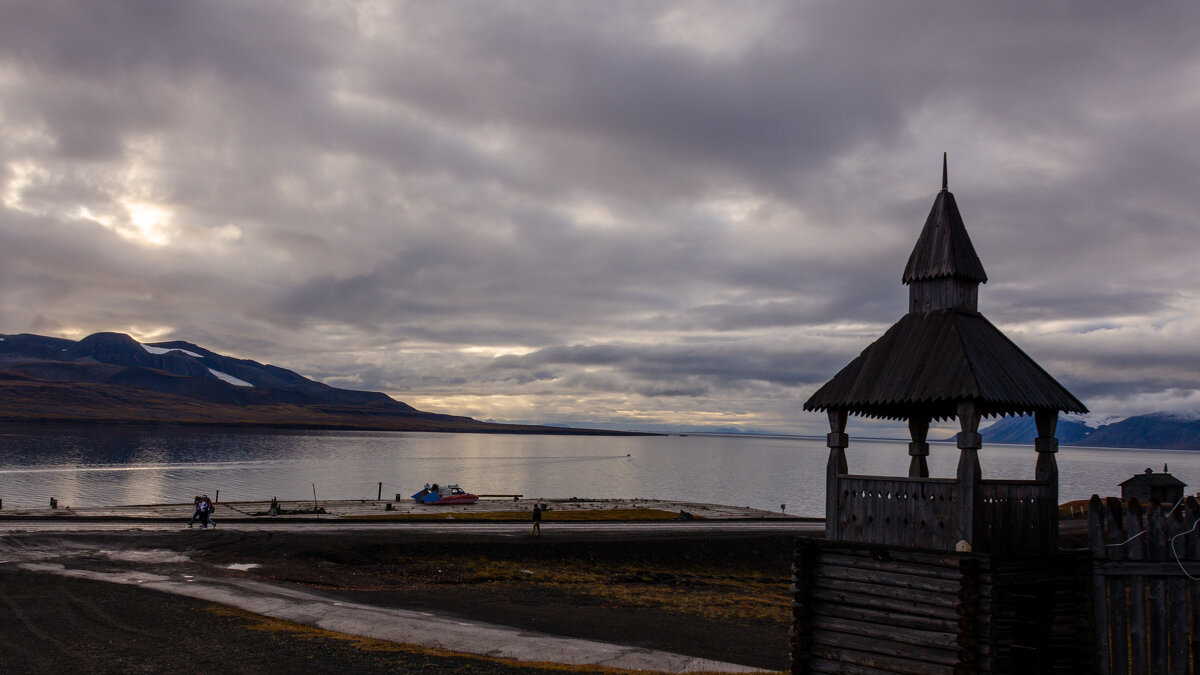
{"type": "Point", "coordinates": [711, 593]}
{"type": "Point", "coordinates": [724, 591]}
{"type": "Point", "coordinates": [268, 624]}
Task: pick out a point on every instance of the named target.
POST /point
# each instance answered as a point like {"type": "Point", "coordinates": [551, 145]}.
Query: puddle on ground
{"type": "Point", "coordinates": [242, 567]}
{"type": "Point", "coordinates": [154, 555]}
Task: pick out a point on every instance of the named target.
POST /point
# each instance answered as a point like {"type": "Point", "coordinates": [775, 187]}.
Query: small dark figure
{"type": "Point", "coordinates": [537, 521]}
{"type": "Point", "coordinates": [195, 510]}
{"type": "Point", "coordinates": [205, 507]}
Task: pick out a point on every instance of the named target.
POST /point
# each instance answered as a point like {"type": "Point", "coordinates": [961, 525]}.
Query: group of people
{"type": "Point", "coordinates": [203, 512]}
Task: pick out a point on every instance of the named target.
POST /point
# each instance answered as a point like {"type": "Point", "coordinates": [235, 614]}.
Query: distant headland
{"type": "Point", "coordinates": [110, 378]}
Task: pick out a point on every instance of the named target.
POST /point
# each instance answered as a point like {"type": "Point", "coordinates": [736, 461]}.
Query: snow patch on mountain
{"type": "Point", "coordinates": [226, 377]}
{"type": "Point", "coordinates": [1097, 420]}
{"type": "Point", "coordinates": [164, 350]}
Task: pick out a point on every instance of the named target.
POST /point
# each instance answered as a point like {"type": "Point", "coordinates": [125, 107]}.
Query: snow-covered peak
{"type": "Point", "coordinates": [164, 350]}
{"type": "Point", "coordinates": [1179, 416]}
{"type": "Point", "coordinates": [226, 377]}
{"type": "Point", "coordinates": [1097, 420]}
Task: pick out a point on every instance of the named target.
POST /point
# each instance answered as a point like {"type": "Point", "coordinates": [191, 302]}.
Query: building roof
{"type": "Point", "coordinates": [1152, 479]}
{"type": "Point", "coordinates": [944, 249]}
{"type": "Point", "coordinates": [934, 358]}
{"type": "Point", "coordinates": [929, 361]}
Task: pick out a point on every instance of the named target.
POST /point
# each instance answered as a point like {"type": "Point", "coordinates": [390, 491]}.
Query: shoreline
{"type": "Point", "coordinates": [390, 510]}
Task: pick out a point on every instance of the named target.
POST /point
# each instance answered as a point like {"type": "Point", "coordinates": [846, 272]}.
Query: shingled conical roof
{"type": "Point", "coordinates": [938, 355]}
{"type": "Point", "coordinates": [929, 361]}
{"type": "Point", "coordinates": [944, 249]}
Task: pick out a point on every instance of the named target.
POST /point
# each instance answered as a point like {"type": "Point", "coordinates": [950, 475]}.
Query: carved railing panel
{"type": "Point", "coordinates": [1012, 516]}
{"type": "Point", "coordinates": [915, 512]}
{"type": "Point", "coordinates": [1015, 516]}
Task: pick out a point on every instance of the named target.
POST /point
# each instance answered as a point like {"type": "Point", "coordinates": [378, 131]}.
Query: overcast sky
{"type": "Point", "coordinates": [623, 214]}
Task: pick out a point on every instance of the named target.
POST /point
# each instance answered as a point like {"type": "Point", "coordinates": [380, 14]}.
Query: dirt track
{"type": "Point", "coordinates": [57, 625]}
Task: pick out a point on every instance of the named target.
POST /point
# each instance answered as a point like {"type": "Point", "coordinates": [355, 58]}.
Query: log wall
{"type": "Point", "coordinates": [875, 610]}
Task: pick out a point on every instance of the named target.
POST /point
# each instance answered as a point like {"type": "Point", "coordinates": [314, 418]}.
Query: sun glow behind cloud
{"type": "Point", "coordinates": [148, 223]}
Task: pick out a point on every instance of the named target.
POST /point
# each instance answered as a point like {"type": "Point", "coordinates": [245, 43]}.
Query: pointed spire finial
{"type": "Point", "coordinates": [945, 175]}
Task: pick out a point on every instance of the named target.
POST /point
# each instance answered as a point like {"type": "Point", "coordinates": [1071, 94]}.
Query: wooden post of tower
{"type": "Point", "coordinates": [838, 441]}
{"type": "Point", "coordinates": [1046, 471]}
{"type": "Point", "coordinates": [918, 449]}
{"type": "Point", "coordinates": [970, 476]}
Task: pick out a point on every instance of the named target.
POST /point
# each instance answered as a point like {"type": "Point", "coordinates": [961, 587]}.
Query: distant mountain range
{"type": "Point", "coordinates": [1168, 431]}
{"type": "Point", "coordinates": [112, 378]}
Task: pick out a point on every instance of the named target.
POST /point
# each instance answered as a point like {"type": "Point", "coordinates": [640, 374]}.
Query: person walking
{"type": "Point", "coordinates": [210, 509]}
{"type": "Point", "coordinates": [537, 521]}
{"type": "Point", "coordinates": [205, 507]}
{"type": "Point", "coordinates": [195, 511]}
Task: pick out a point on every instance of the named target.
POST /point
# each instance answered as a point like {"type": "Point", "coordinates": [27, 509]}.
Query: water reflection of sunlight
{"type": "Point", "coordinates": [211, 466]}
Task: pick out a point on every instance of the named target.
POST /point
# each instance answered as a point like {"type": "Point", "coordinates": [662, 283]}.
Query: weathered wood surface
{"type": "Point", "coordinates": [1146, 594]}
{"type": "Point", "coordinates": [801, 631]}
{"type": "Point", "coordinates": [837, 440]}
{"type": "Point", "coordinates": [876, 610]}
{"type": "Point", "coordinates": [1010, 516]}
{"type": "Point", "coordinates": [1017, 516]}
{"type": "Point", "coordinates": [838, 660]}
{"type": "Point", "coordinates": [896, 511]}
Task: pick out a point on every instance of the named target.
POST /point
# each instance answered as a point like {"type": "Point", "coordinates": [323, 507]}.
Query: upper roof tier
{"type": "Point", "coordinates": [944, 250]}
{"type": "Point", "coordinates": [943, 351]}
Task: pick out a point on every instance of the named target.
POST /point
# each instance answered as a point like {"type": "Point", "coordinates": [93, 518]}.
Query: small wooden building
{"type": "Point", "coordinates": [1149, 486]}
{"type": "Point", "coordinates": [928, 574]}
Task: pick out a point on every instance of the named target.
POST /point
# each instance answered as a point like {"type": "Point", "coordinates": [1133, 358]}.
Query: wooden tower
{"type": "Point", "coordinates": [942, 360]}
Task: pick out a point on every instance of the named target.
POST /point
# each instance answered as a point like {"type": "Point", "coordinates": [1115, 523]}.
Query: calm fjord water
{"type": "Point", "coordinates": [98, 466]}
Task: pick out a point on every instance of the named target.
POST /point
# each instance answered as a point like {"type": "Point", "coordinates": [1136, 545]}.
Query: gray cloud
{"type": "Point", "coordinates": [624, 212]}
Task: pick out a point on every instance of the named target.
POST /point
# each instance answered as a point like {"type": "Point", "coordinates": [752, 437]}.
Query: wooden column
{"type": "Point", "coordinates": [838, 441]}
{"type": "Point", "coordinates": [918, 449]}
{"type": "Point", "coordinates": [969, 474]}
{"type": "Point", "coordinates": [1047, 470]}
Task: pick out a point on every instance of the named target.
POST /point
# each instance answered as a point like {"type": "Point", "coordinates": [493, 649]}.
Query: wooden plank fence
{"type": "Point", "coordinates": [1145, 586]}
